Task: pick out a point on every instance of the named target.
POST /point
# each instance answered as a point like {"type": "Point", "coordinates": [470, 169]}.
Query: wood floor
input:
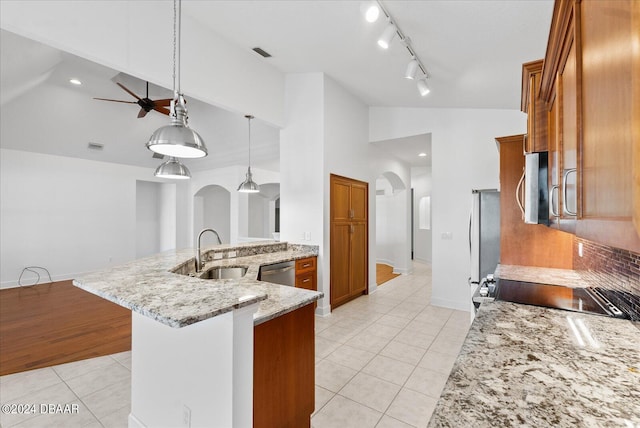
{"type": "Point", "coordinates": [384, 273]}
{"type": "Point", "coordinates": [56, 323]}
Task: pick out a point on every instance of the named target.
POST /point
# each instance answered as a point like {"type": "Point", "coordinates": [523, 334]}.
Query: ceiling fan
{"type": "Point", "coordinates": [145, 103]}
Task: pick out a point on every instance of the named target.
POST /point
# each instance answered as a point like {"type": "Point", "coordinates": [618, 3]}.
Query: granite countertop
{"type": "Point", "coordinates": [522, 365]}
{"type": "Point", "coordinates": [150, 287]}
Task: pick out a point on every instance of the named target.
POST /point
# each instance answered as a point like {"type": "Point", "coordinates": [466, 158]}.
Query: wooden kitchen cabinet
{"type": "Point", "coordinates": [349, 239]}
{"type": "Point", "coordinates": [284, 370]}
{"type": "Point", "coordinates": [534, 106]}
{"type": "Point", "coordinates": [587, 82]}
{"type": "Point", "coordinates": [306, 273]}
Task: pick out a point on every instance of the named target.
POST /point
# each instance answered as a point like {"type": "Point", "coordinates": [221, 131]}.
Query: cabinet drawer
{"type": "Point", "coordinates": [307, 281]}
{"type": "Point", "coordinates": [305, 265]}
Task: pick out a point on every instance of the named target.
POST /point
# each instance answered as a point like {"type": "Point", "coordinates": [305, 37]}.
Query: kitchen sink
{"type": "Point", "coordinates": [224, 273]}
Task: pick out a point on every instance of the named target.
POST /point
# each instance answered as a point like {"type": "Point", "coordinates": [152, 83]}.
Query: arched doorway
{"type": "Point", "coordinates": [212, 208]}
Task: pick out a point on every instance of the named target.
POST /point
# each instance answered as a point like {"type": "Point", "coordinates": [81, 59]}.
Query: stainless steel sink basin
{"type": "Point", "coordinates": [224, 273]}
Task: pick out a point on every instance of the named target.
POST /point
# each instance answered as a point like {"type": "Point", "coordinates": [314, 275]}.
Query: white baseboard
{"type": "Point", "coordinates": [451, 304]}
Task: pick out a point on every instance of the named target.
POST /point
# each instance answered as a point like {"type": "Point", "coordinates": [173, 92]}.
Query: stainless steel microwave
{"type": "Point", "coordinates": [532, 193]}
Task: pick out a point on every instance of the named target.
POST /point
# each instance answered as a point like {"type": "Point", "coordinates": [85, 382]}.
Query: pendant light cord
{"type": "Point", "coordinates": [177, 10]}
{"type": "Point", "coordinates": [249, 121]}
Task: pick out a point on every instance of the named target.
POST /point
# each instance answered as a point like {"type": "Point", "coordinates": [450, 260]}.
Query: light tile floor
{"type": "Point", "coordinates": [381, 361]}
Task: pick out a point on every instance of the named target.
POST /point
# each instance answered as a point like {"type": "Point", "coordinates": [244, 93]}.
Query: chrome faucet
{"type": "Point", "coordinates": [199, 262]}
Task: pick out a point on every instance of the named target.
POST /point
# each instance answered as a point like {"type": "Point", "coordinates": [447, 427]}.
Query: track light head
{"type": "Point", "coordinates": [423, 88]}
{"type": "Point", "coordinates": [412, 69]}
{"type": "Point", "coordinates": [387, 35]}
{"type": "Point", "coordinates": [370, 10]}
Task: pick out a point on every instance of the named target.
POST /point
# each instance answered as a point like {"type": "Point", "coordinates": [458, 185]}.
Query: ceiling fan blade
{"type": "Point", "coordinates": [161, 109]}
{"type": "Point", "coordinates": [142, 113]}
{"type": "Point", "coordinates": [163, 103]}
{"type": "Point", "coordinates": [116, 101]}
{"type": "Point", "coordinates": [128, 91]}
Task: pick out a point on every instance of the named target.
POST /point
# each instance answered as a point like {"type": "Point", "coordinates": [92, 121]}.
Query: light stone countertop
{"type": "Point", "coordinates": [542, 275]}
{"type": "Point", "coordinates": [149, 286]}
{"type": "Point", "coordinates": [522, 365]}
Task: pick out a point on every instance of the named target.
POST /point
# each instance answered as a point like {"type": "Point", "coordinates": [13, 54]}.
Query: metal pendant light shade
{"type": "Point", "coordinates": [177, 139]}
{"type": "Point", "coordinates": [173, 168]}
{"type": "Point", "coordinates": [248, 185]}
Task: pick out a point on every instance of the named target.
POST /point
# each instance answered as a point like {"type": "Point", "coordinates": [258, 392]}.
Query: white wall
{"type": "Point", "coordinates": [116, 34]}
{"type": "Point", "coordinates": [464, 157]}
{"type": "Point", "coordinates": [68, 215]}
{"type": "Point", "coordinates": [212, 208]}
{"type": "Point", "coordinates": [421, 184]}
{"type": "Point", "coordinates": [147, 218]}
{"type": "Point", "coordinates": [227, 178]}
{"type": "Point", "coordinates": [391, 221]}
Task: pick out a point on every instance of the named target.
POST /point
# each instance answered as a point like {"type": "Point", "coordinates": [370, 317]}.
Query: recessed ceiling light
{"type": "Point", "coordinates": [422, 155]}
{"type": "Point", "coordinates": [75, 81]}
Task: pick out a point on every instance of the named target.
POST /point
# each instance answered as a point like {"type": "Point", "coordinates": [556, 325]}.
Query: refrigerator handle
{"type": "Point", "coordinates": [518, 193]}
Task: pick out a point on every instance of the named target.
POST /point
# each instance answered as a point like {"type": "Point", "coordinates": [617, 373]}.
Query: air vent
{"type": "Point", "coordinates": [157, 156]}
{"type": "Point", "coordinates": [262, 52]}
{"type": "Point", "coordinates": [95, 146]}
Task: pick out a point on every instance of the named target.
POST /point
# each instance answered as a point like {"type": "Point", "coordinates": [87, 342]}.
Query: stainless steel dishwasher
{"type": "Point", "coordinates": [279, 273]}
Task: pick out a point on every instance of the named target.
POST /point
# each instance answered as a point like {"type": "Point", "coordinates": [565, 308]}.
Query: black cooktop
{"type": "Point", "coordinates": [587, 300]}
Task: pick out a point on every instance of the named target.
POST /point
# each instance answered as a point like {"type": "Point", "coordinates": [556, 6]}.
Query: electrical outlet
{"type": "Point", "coordinates": [307, 236]}
{"type": "Point", "coordinates": [580, 249]}
{"type": "Point", "coordinates": [186, 417]}
{"type": "Point", "coordinates": [447, 235]}
{"type": "Point", "coordinates": [231, 254]}
{"type": "Point", "coordinates": [217, 256]}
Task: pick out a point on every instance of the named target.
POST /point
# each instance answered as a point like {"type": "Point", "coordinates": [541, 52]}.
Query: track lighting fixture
{"type": "Point", "coordinates": [415, 66]}
{"type": "Point", "coordinates": [387, 36]}
{"type": "Point", "coordinates": [412, 69]}
{"type": "Point", "coordinates": [371, 10]}
{"type": "Point", "coordinates": [423, 88]}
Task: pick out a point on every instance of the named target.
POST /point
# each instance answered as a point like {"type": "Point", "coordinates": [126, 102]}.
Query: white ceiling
{"type": "Point", "coordinates": [472, 49]}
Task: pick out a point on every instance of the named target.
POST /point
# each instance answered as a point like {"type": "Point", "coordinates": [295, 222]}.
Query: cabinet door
{"type": "Point", "coordinates": [340, 200]}
{"type": "Point", "coordinates": [340, 261]}
{"type": "Point", "coordinates": [568, 88]}
{"type": "Point", "coordinates": [554, 165]}
{"type": "Point", "coordinates": [359, 199]}
{"type": "Point", "coordinates": [359, 252]}
{"type": "Point", "coordinates": [608, 141]}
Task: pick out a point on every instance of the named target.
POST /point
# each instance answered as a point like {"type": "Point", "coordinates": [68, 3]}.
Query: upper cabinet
{"type": "Point", "coordinates": [589, 87]}
{"type": "Point", "coordinates": [534, 106]}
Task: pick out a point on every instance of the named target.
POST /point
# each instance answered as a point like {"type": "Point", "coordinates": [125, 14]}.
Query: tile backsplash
{"type": "Point", "coordinates": [613, 269]}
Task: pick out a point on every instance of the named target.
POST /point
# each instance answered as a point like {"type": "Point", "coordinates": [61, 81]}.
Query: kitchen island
{"type": "Point", "coordinates": [193, 339]}
{"type": "Point", "coordinates": [523, 365]}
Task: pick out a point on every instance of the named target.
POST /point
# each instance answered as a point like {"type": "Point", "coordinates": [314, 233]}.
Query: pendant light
{"type": "Point", "coordinates": [248, 185]}
{"type": "Point", "coordinates": [177, 139]}
{"type": "Point", "coordinates": [173, 168]}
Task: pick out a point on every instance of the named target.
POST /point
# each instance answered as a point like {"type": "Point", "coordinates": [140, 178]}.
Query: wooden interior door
{"type": "Point", "coordinates": [349, 250]}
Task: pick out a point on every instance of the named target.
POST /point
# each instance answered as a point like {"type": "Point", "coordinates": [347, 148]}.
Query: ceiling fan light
{"type": "Point", "coordinates": [387, 35]}
{"type": "Point", "coordinates": [248, 185]}
{"type": "Point", "coordinates": [174, 169]}
{"type": "Point", "coordinates": [412, 69]}
{"type": "Point", "coordinates": [423, 88]}
{"type": "Point", "coordinates": [371, 11]}
{"type": "Point", "coordinates": [177, 139]}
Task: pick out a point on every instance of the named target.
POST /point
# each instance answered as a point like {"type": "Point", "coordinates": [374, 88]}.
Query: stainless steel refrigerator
{"type": "Point", "coordinates": [484, 234]}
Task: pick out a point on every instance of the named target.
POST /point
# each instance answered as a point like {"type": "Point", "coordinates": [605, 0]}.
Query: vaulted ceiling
{"type": "Point", "coordinates": [473, 51]}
